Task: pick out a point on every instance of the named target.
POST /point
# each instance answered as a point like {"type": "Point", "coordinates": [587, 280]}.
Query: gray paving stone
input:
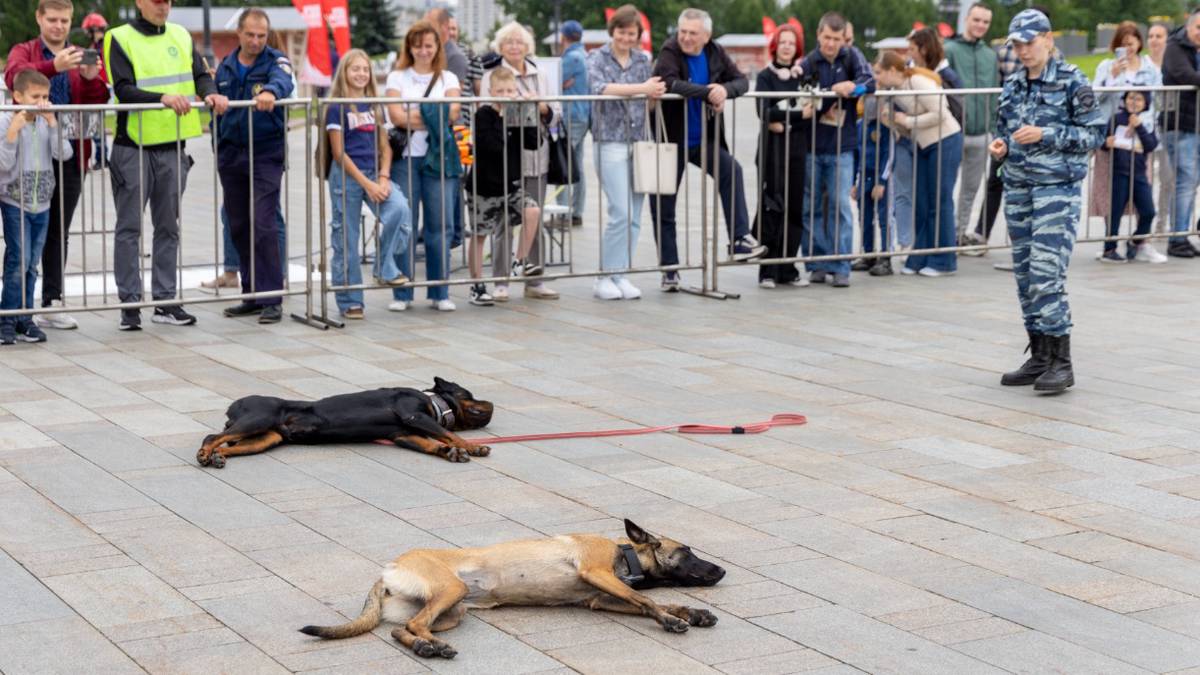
{"type": "Point", "coordinates": [799, 661]}
{"type": "Point", "coordinates": [30, 524]}
{"type": "Point", "coordinates": [113, 599]}
{"type": "Point", "coordinates": [202, 499]}
{"type": "Point", "coordinates": [1035, 652]}
{"type": "Point", "coordinates": [16, 435]}
{"type": "Point", "coordinates": [24, 598]}
{"type": "Point", "coordinates": [59, 646]}
{"type": "Point", "coordinates": [868, 644]}
{"type": "Point", "coordinates": [113, 449]}
{"type": "Point", "coordinates": [995, 518]}
{"type": "Point", "coordinates": [321, 570]}
{"type": "Point", "coordinates": [849, 586]}
{"type": "Point", "coordinates": [630, 655]}
{"type": "Point", "coordinates": [375, 483]}
{"type": "Point", "coordinates": [1088, 626]}
{"type": "Point", "coordinates": [971, 454]}
{"type": "Point", "coordinates": [184, 555]}
{"type": "Point", "coordinates": [237, 657]}
{"type": "Point", "coordinates": [76, 485]}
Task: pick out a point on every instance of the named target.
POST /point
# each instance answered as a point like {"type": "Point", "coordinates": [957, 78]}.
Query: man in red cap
{"type": "Point", "coordinates": [74, 75]}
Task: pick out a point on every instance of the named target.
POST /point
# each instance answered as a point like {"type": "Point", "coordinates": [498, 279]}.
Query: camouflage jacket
{"type": "Point", "coordinates": [1063, 104]}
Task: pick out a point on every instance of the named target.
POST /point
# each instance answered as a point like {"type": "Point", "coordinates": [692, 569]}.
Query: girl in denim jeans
{"type": "Point", "coordinates": [361, 159]}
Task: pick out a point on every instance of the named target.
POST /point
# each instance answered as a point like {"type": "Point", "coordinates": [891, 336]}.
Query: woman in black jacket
{"type": "Point", "coordinates": [782, 152]}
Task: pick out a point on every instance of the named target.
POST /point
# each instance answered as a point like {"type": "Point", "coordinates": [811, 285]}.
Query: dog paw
{"type": "Point", "coordinates": [454, 454]}
{"type": "Point", "coordinates": [217, 460]}
{"type": "Point", "coordinates": [431, 648]}
{"type": "Point", "coordinates": [701, 617]}
{"type": "Point", "coordinates": [479, 451]}
{"type": "Point", "coordinates": [673, 624]}
{"type": "Point", "coordinates": [203, 457]}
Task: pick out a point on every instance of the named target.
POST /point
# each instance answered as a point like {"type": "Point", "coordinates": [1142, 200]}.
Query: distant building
{"type": "Point", "coordinates": [223, 23]}
{"type": "Point", "coordinates": [477, 19]}
{"type": "Point", "coordinates": [748, 51]}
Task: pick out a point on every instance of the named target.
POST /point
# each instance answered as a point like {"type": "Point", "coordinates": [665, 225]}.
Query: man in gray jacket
{"type": "Point", "coordinates": [975, 62]}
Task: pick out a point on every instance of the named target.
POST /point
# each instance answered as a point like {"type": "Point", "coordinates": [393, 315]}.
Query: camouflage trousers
{"type": "Point", "coordinates": [1041, 223]}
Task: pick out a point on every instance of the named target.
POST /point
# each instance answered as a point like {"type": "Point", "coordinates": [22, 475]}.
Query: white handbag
{"type": "Point", "coordinates": [655, 165]}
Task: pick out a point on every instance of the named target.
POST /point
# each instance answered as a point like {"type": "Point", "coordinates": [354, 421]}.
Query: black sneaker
{"type": "Point", "coordinates": [883, 268]}
{"type": "Point", "coordinates": [8, 333]}
{"type": "Point", "coordinates": [131, 319]}
{"type": "Point", "coordinates": [270, 313]}
{"type": "Point", "coordinates": [1181, 250]}
{"type": "Point", "coordinates": [670, 282]}
{"type": "Point", "coordinates": [28, 331]}
{"type": "Point", "coordinates": [246, 308]}
{"type": "Point", "coordinates": [748, 248]}
{"type": "Point", "coordinates": [480, 296]}
{"type": "Point", "coordinates": [524, 268]}
{"type": "Point", "coordinates": [1112, 257]}
{"type": "Point", "coordinates": [817, 277]}
{"type": "Point", "coordinates": [841, 281]}
{"type": "Point", "coordinates": [862, 265]}
{"type": "Point", "coordinates": [173, 315]}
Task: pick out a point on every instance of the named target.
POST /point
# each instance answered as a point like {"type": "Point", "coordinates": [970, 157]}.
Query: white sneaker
{"type": "Point", "coordinates": [907, 271]}
{"type": "Point", "coordinates": [606, 289]}
{"type": "Point", "coordinates": [59, 320]}
{"type": "Point", "coordinates": [930, 272]}
{"type": "Point", "coordinates": [399, 306]}
{"type": "Point", "coordinates": [540, 292]}
{"type": "Point", "coordinates": [501, 294]}
{"type": "Point", "coordinates": [766, 283]}
{"type": "Point", "coordinates": [446, 305]}
{"type": "Point", "coordinates": [800, 281]}
{"type": "Point", "coordinates": [1145, 253]}
{"type": "Point", "coordinates": [628, 290]}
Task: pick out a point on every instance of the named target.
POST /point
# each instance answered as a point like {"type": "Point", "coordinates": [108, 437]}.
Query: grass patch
{"type": "Point", "coordinates": [1088, 62]}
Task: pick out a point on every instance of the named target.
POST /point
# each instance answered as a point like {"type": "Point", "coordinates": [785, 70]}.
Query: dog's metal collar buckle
{"type": "Point", "coordinates": [445, 414]}
{"type": "Point", "coordinates": [636, 574]}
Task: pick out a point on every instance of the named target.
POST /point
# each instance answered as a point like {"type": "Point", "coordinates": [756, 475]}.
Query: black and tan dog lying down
{"type": "Point", "coordinates": [585, 570]}
{"type": "Point", "coordinates": [424, 421]}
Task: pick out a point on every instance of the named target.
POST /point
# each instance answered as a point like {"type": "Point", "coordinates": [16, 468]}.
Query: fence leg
{"type": "Point", "coordinates": [310, 175]}
{"type": "Point", "coordinates": [709, 251]}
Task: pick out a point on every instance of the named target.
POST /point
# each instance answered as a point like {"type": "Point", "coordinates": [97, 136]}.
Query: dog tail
{"type": "Point", "coordinates": [372, 613]}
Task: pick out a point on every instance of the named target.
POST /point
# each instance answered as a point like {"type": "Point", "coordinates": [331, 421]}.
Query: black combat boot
{"type": "Point", "coordinates": [1059, 375]}
{"type": "Point", "coordinates": [1039, 361]}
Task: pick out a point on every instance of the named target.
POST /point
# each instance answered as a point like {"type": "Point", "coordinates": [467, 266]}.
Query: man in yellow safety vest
{"type": "Point", "coordinates": [152, 61]}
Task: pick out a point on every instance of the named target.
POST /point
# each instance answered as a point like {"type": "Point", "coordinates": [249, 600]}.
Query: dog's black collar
{"type": "Point", "coordinates": [445, 413]}
{"type": "Point", "coordinates": [635, 575]}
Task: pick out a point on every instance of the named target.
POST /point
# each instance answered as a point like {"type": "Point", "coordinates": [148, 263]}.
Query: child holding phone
{"type": "Point", "coordinates": [28, 149]}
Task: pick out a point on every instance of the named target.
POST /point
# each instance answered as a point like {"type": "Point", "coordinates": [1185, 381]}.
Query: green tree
{"type": "Point", "coordinates": [887, 17]}
{"type": "Point", "coordinates": [372, 26]}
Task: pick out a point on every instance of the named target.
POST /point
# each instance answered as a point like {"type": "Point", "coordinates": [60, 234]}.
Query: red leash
{"type": "Point", "coordinates": [780, 420]}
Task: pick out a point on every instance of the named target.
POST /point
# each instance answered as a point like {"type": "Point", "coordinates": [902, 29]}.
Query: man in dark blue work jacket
{"type": "Point", "coordinates": [255, 72]}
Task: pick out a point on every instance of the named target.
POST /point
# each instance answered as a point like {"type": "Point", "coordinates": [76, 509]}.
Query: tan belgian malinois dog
{"type": "Point", "coordinates": [576, 569]}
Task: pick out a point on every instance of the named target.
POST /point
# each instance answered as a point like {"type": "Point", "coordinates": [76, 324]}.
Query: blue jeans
{"type": "Point", "coordinates": [574, 195]}
{"type": "Point", "coordinates": [832, 226]}
{"type": "Point", "coordinates": [232, 262]}
{"type": "Point", "coordinates": [396, 220]}
{"type": "Point", "coordinates": [438, 198]}
{"type": "Point", "coordinates": [1184, 151]}
{"type": "Point", "coordinates": [902, 192]}
{"type": "Point", "coordinates": [870, 209]}
{"type": "Point", "coordinates": [614, 164]}
{"type": "Point", "coordinates": [24, 239]}
{"type": "Point", "coordinates": [1143, 202]}
{"type": "Point", "coordinates": [937, 171]}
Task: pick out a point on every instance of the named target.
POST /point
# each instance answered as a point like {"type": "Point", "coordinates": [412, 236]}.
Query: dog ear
{"type": "Point", "coordinates": [439, 383]}
{"type": "Point", "coordinates": [639, 536]}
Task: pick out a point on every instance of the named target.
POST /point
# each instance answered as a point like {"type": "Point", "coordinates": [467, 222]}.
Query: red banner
{"type": "Point", "coordinates": [337, 15]}
{"type": "Point", "coordinates": [769, 26]}
{"type": "Point", "coordinates": [317, 69]}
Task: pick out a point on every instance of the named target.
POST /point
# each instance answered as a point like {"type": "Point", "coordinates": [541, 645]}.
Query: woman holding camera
{"type": "Point", "coordinates": [1127, 68]}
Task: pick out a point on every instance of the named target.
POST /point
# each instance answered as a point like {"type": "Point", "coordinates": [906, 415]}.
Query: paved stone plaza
{"type": "Point", "coordinates": [926, 520]}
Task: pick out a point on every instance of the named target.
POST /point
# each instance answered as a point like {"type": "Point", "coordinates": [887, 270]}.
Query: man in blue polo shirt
{"type": "Point", "coordinates": [255, 72]}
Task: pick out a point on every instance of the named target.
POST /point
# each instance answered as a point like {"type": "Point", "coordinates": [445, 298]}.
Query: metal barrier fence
{"type": "Point", "coordinates": [772, 188]}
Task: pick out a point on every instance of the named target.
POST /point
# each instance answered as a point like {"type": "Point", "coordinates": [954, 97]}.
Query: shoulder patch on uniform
{"type": "Point", "coordinates": [1085, 98]}
{"type": "Point", "coordinates": [284, 64]}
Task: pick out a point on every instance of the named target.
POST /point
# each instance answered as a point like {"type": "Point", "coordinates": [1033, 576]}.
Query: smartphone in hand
{"type": "Point", "coordinates": [91, 57]}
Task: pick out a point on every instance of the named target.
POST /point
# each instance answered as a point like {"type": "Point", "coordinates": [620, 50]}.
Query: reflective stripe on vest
{"type": "Point", "coordinates": [161, 64]}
